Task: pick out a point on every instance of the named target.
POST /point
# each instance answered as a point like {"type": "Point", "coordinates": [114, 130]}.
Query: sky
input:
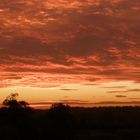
{"type": "Point", "coordinates": [83, 52]}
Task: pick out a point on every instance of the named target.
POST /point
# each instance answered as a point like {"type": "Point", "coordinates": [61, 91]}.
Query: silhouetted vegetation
{"type": "Point", "coordinates": [20, 122]}
{"type": "Point", "coordinates": [11, 102]}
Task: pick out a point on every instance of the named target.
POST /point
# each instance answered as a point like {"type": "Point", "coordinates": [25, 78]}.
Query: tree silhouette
{"type": "Point", "coordinates": [11, 102]}
{"type": "Point", "coordinates": [60, 115]}
{"type": "Point", "coordinates": [60, 107]}
{"type": "Point", "coordinates": [59, 110]}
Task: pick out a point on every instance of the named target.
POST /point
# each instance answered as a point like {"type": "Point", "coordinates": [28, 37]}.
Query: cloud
{"type": "Point", "coordinates": [115, 91]}
{"type": "Point", "coordinates": [86, 103]}
{"type": "Point", "coordinates": [90, 84]}
{"type": "Point", "coordinates": [134, 98]}
{"type": "Point", "coordinates": [118, 103]}
{"type": "Point", "coordinates": [124, 91]}
{"type": "Point", "coordinates": [63, 101]}
{"type": "Point", "coordinates": [115, 87]}
{"type": "Point", "coordinates": [134, 90]}
{"type": "Point", "coordinates": [68, 89]}
{"type": "Point", "coordinates": [120, 96]}
{"type": "Point", "coordinates": [91, 40]}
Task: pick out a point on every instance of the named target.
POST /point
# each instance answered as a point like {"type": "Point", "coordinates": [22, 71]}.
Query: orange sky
{"type": "Point", "coordinates": [75, 51]}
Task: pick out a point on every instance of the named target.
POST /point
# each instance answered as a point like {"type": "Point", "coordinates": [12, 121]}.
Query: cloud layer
{"type": "Point", "coordinates": [45, 43]}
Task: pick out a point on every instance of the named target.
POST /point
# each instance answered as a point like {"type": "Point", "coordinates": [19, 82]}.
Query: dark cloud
{"type": "Point", "coordinates": [120, 96]}
{"type": "Point", "coordinates": [68, 89]}
{"type": "Point", "coordinates": [116, 91]}
{"type": "Point", "coordinates": [134, 90]}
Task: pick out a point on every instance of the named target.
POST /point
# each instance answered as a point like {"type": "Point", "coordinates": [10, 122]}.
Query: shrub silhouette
{"type": "Point", "coordinates": [59, 113]}
{"type": "Point", "coordinates": [58, 122]}
{"type": "Point", "coordinates": [59, 108]}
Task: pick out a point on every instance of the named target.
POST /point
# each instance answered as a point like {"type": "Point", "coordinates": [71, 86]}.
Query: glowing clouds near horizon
{"type": "Point", "coordinates": [48, 43]}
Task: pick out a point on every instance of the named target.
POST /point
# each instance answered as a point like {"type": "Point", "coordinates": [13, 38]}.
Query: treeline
{"type": "Point", "coordinates": [61, 122]}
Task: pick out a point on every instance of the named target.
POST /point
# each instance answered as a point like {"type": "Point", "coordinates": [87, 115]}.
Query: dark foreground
{"type": "Point", "coordinates": [65, 123]}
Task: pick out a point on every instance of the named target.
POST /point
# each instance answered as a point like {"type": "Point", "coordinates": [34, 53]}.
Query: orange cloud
{"type": "Point", "coordinates": [77, 41]}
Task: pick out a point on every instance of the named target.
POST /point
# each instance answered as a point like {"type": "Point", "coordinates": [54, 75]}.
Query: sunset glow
{"type": "Point", "coordinates": [80, 52]}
